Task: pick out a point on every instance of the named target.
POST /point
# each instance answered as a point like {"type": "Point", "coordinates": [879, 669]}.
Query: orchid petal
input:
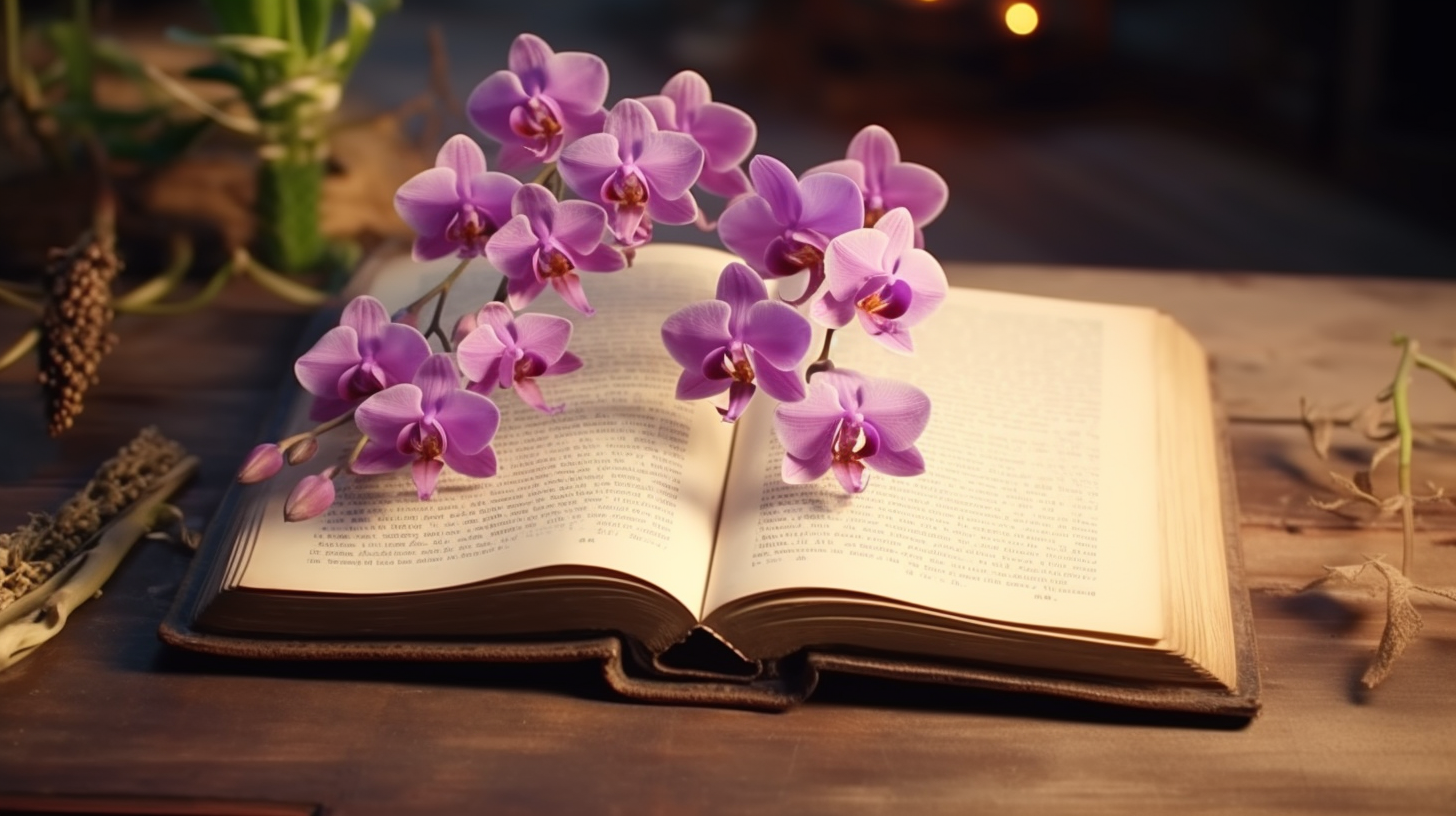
{"type": "Point", "coordinates": [380, 457]}
{"type": "Point", "coordinates": [512, 250]}
{"type": "Point", "coordinates": [569, 287]}
{"type": "Point", "coordinates": [696, 330]}
{"type": "Point", "coordinates": [802, 470]}
{"type": "Point", "coordinates": [852, 259]}
{"type": "Point", "coordinates": [432, 247]}
{"type": "Point", "coordinates": [899, 410]}
{"type": "Point", "coordinates": [493, 193]}
{"type": "Point", "coordinates": [726, 183]}
{"type": "Point", "coordinates": [875, 148]}
{"type": "Point", "coordinates": [604, 258]}
{"type": "Point", "coordinates": [630, 122]}
{"type": "Point", "coordinates": [670, 162]}
{"type": "Point", "coordinates": [366, 316]}
{"type": "Point", "coordinates": [726, 134]}
{"type": "Point", "coordinates": [849, 168]}
{"type": "Point", "coordinates": [543, 334]}
{"type": "Point", "coordinates": [577, 80]}
{"type": "Point", "coordinates": [579, 226]}
{"type": "Point", "coordinates": [888, 333]}
{"type": "Point", "coordinates": [481, 464]}
{"type": "Point", "coordinates": [587, 163]}
{"type": "Point", "coordinates": [688, 91]}
{"type": "Point", "coordinates": [747, 228]}
{"type": "Point", "coordinates": [832, 204]}
{"type": "Point", "coordinates": [469, 419]}
{"type": "Point", "coordinates": [775, 183]}
{"type": "Point", "coordinates": [530, 393]}
{"type": "Point", "coordinates": [831, 312]}
{"type": "Point", "coordinates": [683, 210]}
{"type": "Point", "coordinates": [626, 224]}
{"type": "Point", "coordinates": [461, 154]}
{"type": "Point", "coordinates": [900, 230]}
{"type": "Point", "coordinates": [568, 363]}
{"type": "Point", "coordinates": [739, 395]}
{"type": "Point", "coordinates": [437, 378]}
{"type": "Point", "coordinates": [515, 157]}
{"type": "Point", "coordinates": [917, 188]}
{"type": "Point", "coordinates": [907, 462]}
{"type": "Point", "coordinates": [806, 428]}
{"type": "Point", "coordinates": [739, 287]}
{"type": "Point", "coordinates": [538, 205]}
{"type": "Point", "coordinates": [783, 385]}
{"type": "Point", "coordinates": [521, 291]}
{"type": "Point", "coordinates": [851, 476]}
{"type": "Point", "coordinates": [382, 416]}
{"type": "Point", "coordinates": [923, 273]}
{"type": "Point", "coordinates": [490, 104]}
{"type": "Point", "coordinates": [429, 200]}
{"type": "Point", "coordinates": [692, 385]}
{"type": "Point", "coordinates": [528, 55]}
{"type": "Point", "coordinates": [779, 333]}
{"type": "Point", "coordinates": [664, 111]}
{"type": "Point", "coordinates": [399, 352]}
{"type": "Point", "coordinates": [426, 473]}
{"type": "Point", "coordinates": [320, 368]}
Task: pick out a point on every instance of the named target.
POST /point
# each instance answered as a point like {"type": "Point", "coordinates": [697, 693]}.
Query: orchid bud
{"type": "Point", "coordinates": [311, 496]}
{"type": "Point", "coordinates": [464, 326]}
{"type": "Point", "coordinates": [263, 463]}
{"type": "Point", "coordinates": [302, 450]}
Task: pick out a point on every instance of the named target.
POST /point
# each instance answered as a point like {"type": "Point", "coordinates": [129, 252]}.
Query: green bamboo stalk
{"type": "Point", "coordinates": [290, 191]}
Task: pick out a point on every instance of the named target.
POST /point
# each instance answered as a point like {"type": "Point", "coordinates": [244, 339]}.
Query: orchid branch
{"type": "Point", "coordinates": [441, 291]}
{"type": "Point", "coordinates": [20, 348]}
{"type": "Point", "coordinates": [15, 298]}
{"type": "Point", "coordinates": [823, 363]}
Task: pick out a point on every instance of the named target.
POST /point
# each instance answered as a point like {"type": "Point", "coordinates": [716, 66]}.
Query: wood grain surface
{"type": "Point", "coordinates": [106, 710]}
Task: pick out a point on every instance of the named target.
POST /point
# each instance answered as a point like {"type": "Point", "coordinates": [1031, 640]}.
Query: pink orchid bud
{"type": "Point", "coordinates": [302, 450]}
{"type": "Point", "coordinates": [464, 326]}
{"type": "Point", "coordinates": [406, 317]}
{"type": "Point", "coordinates": [311, 497]}
{"type": "Point", "coordinates": [263, 463]}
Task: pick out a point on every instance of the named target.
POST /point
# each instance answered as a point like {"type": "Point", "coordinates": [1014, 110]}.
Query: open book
{"type": "Point", "coordinates": [1071, 532]}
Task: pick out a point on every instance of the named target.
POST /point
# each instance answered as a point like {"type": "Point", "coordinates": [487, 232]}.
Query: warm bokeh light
{"type": "Point", "coordinates": [1021, 18]}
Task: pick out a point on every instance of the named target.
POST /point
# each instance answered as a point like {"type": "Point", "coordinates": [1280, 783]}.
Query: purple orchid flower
{"type": "Point", "coordinates": [427, 424]}
{"type": "Point", "coordinates": [877, 275]}
{"type": "Point", "coordinates": [543, 103]}
{"type": "Point", "coordinates": [636, 171]}
{"type": "Point", "coordinates": [455, 206]}
{"type": "Point", "coordinates": [849, 421]}
{"type": "Point", "coordinates": [737, 343]}
{"type": "Point", "coordinates": [547, 241]}
{"type": "Point", "coordinates": [785, 227]}
{"type": "Point", "coordinates": [364, 354]}
{"type": "Point", "coordinates": [725, 133]}
{"type": "Point", "coordinates": [873, 162]}
{"type": "Point", "coordinates": [507, 352]}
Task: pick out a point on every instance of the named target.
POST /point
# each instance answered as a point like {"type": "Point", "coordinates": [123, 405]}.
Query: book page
{"type": "Point", "coordinates": [626, 478]}
{"type": "Point", "coordinates": [1039, 501]}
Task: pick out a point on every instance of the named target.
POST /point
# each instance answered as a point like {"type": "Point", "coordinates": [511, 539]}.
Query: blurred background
{"type": "Point", "coordinates": [1312, 136]}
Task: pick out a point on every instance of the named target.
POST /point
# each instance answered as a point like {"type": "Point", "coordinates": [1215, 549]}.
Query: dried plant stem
{"type": "Point", "coordinates": [20, 348]}
{"type": "Point", "coordinates": [163, 284]}
{"type": "Point", "coordinates": [1400, 401]}
{"type": "Point", "coordinates": [15, 298]}
{"type": "Point", "coordinates": [1437, 367]}
{"type": "Point", "coordinates": [318, 430]}
{"type": "Point", "coordinates": [441, 291]}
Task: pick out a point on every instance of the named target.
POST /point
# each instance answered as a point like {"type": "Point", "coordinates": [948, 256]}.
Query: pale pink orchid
{"type": "Point", "coordinates": [542, 103]}
{"type": "Point", "coordinates": [507, 352]}
{"type": "Point", "coordinates": [639, 173]}
{"type": "Point", "coordinates": [725, 133]}
{"type": "Point", "coordinates": [873, 162]}
{"type": "Point", "coordinates": [364, 354]}
{"type": "Point", "coordinates": [879, 276]}
{"type": "Point", "coordinates": [427, 424]}
{"type": "Point", "coordinates": [455, 206]}
{"type": "Point", "coordinates": [848, 422]}
{"type": "Point", "coordinates": [548, 241]}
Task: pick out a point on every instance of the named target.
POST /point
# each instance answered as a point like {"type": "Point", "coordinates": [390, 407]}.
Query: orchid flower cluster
{"type": "Point", "coordinates": [848, 231]}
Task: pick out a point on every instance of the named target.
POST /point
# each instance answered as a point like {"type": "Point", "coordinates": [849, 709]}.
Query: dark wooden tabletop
{"type": "Point", "coordinates": [106, 710]}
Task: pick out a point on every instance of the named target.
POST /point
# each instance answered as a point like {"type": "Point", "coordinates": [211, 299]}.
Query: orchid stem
{"type": "Point", "coordinates": [1437, 367]}
{"type": "Point", "coordinates": [823, 363]}
{"type": "Point", "coordinates": [318, 430]}
{"type": "Point", "coordinates": [500, 291]}
{"type": "Point", "coordinates": [1400, 400]}
{"type": "Point", "coordinates": [354, 454]}
{"type": "Point", "coordinates": [26, 342]}
{"type": "Point", "coordinates": [14, 298]}
{"type": "Point", "coordinates": [442, 289]}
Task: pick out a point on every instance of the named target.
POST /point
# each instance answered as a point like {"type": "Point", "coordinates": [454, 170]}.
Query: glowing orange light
{"type": "Point", "coordinates": [1021, 18]}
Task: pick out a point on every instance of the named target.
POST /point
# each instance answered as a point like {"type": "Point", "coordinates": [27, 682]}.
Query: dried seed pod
{"type": "Point", "coordinates": [76, 325]}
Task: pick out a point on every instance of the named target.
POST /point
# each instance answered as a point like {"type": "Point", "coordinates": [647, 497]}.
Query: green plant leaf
{"type": "Point", "coordinates": [74, 47]}
{"type": "Point", "coordinates": [357, 36]}
{"type": "Point", "coordinates": [223, 72]}
{"type": "Point", "coordinates": [313, 24]}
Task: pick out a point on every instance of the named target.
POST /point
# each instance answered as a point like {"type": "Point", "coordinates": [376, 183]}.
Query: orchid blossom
{"type": "Point", "coordinates": [725, 133]}
{"type": "Point", "coordinates": [849, 421]}
{"type": "Point", "coordinates": [511, 353]}
{"type": "Point", "coordinates": [547, 241]}
{"type": "Point", "coordinates": [639, 173]}
{"type": "Point", "coordinates": [428, 423]}
{"type": "Point", "coordinates": [878, 275]}
{"type": "Point", "coordinates": [873, 163]}
{"type": "Point", "coordinates": [455, 206]}
{"type": "Point", "coordinates": [364, 354]}
{"type": "Point", "coordinates": [541, 104]}
{"type": "Point", "coordinates": [785, 227]}
{"type": "Point", "coordinates": [737, 343]}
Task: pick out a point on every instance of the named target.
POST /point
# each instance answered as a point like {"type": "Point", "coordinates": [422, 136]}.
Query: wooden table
{"type": "Point", "coordinates": [106, 709]}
